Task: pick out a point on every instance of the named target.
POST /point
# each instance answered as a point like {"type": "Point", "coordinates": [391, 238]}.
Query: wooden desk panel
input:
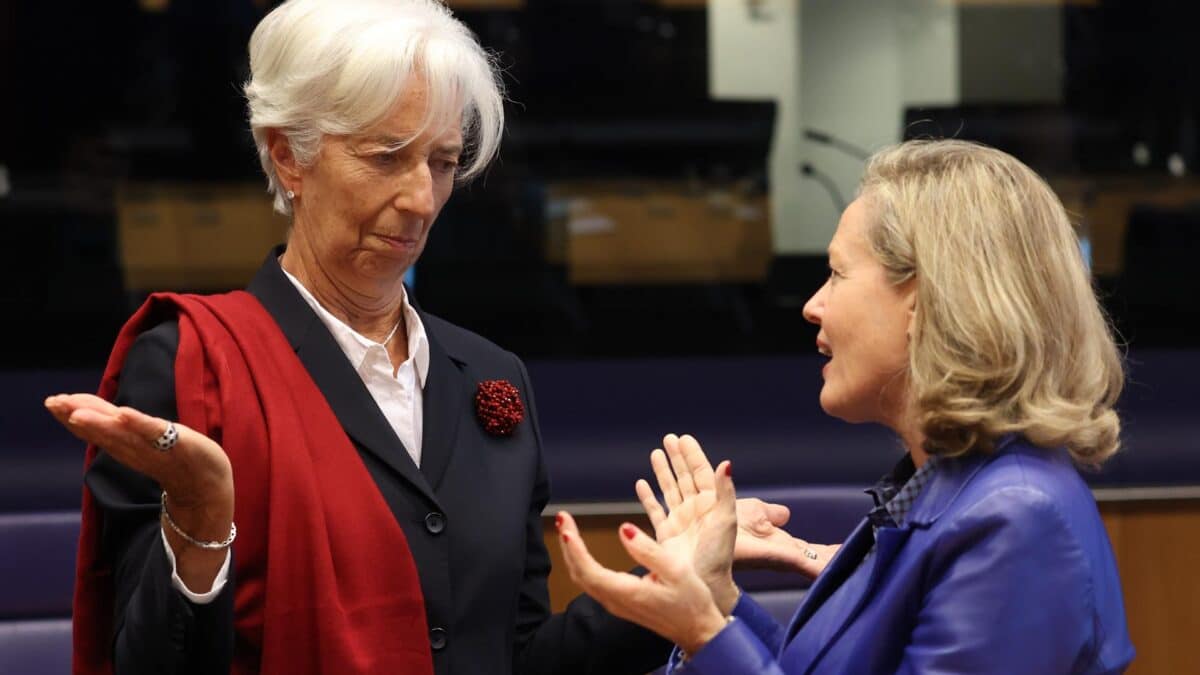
{"type": "Point", "coordinates": [1158, 552]}
{"type": "Point", "coordinates": [641, 232]}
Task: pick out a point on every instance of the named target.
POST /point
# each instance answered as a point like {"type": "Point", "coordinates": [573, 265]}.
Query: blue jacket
{"type": "Point", "coordinates": [1003, 566]}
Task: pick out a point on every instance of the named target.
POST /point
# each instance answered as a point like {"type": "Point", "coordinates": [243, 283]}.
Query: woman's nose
{"type": "Point", "coordinates": [815, 307]}
{"type": "Point", "coordinates": [415, 193]}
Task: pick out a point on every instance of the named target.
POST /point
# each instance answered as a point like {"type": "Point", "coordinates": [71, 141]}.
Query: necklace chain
{"type": "Point", "coordinates": [392, 334]}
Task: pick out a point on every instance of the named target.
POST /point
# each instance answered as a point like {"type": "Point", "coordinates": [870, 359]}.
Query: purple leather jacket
{"type": "Point", "coordinates": [1003, 566]}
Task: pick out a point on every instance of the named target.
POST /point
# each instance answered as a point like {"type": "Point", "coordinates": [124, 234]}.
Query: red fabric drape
{"type": "Point", "coordinates": [325, 579]}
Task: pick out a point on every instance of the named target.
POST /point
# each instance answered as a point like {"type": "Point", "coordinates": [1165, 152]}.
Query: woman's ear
{"type": "Point", "coordinates": [910, 300]}
{"type": "Point", "coordinates": [286, 166]}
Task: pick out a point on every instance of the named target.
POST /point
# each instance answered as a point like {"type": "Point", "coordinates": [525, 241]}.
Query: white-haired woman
{"type": "Point", "coordinates": [383, 467]}
{"type": "Point", "coordinates": [958, 312]}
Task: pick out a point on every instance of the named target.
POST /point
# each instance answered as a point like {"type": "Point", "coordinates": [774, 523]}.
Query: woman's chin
{"type": "Point", "coordinates": [840, 408]}
{"type": "Point", "coordinates": [384, 266]}
{"type": "Point", "coordinates": [829, 402]}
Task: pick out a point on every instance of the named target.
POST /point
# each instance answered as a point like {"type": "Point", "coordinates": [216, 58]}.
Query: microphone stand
{"type": "Point", "coordinates": [847, 147]}
{"type": "Point", "coordinates": [830, 186]}
{"type": "Point", "coordinates": [823, 178]}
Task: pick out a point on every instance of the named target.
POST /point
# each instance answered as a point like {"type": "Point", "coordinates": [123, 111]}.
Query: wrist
{"type": "Point", "coordinates": [705, 630]}
{"type": "Point", "coordinates": [725, 595]}
{"type": "Point", "coordinates": [209, 520]}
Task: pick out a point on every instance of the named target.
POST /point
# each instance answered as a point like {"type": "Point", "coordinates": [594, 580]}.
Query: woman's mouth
{"type": "Point", "coordinates": [399, 243]}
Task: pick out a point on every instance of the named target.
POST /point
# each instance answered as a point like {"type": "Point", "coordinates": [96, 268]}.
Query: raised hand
{"type": "Point", "coordinates": [700, 513]}
{"type": "Point", "coordinates": [195, 473]}
{"type": "Point", "coordinates": [672, 600]}
{"type": "Point", "coordinates": [761, 543]}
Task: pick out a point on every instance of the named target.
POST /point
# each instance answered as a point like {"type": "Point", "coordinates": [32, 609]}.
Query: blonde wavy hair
{"type": "Point", "coordinates": [1008, 334]}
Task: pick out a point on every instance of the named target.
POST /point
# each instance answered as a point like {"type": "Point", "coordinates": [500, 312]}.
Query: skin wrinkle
{"type": "Point", "coordinates": [363, 212]}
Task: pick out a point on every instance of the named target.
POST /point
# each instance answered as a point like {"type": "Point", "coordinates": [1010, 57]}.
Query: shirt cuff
{"type": "Point", "coordinates": [196, 598]}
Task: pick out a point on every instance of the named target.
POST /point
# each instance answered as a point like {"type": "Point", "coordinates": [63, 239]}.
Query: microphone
{"type": "Point", "coordinates": [830, 186]}
{"type": "Point", "coordinates": [826, 138]}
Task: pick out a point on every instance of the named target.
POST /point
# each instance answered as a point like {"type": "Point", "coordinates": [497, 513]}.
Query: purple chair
{"type": "Point", "coordinates": [37, 573]}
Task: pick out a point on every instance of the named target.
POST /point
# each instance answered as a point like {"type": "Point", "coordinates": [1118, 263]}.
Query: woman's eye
{"type": "Point", "coordinates": [384, 158]}
{"type": "Point", "coordinates": [444, 165]}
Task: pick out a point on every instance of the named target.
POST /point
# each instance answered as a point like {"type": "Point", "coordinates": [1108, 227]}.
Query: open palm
{"type": "Point", "coordinates": [699, 522]}
{"type": "Point", "coordinates": [762, 542]}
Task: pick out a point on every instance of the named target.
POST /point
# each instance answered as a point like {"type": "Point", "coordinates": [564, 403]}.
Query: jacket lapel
{"type": "Point", "coordinates": [325, 362]}
{"type": "Point", "coordinates": [888, 542]}
{"type": "Point", "coordinates": [839, 569]}
{"type": "Point", "coordinates": [445, 394]}
{"type": "Point", "coordinates": [949, 479]}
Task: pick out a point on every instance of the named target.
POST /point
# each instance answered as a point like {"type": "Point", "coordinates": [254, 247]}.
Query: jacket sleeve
{"type": "Point", "coordinates": [156, 629]}
{"type": "Point", "coordinates": [584, 639]}
{"type": "Point", "coordinates": [747, 645]}
{"type": "Point", "coordinates": [1009, 592]}
{"type": "Point", "coordinates": [736, 650]}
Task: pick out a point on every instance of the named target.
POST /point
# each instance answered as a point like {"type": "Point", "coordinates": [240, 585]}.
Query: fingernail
{"type": "Point", "coordinates": [565, 538]}
{"type": "Point", "coordinates": [729, 469]}
{"type": "Point", "coordinates": [558, 520]}
{"type": "Point", "coordinates": [628, 531]}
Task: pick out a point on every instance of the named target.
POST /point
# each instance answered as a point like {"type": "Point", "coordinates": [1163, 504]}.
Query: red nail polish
{"type": "Point", "coordinates": [565, 538]}
{"type": "Point", "coordinates": [558, 520]}
{"type": "Point", "coordinates": [628, 531]}
{"type": "Point", "coordinates": [729, 469]}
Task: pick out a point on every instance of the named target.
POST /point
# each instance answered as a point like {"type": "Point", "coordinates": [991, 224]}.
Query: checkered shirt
{"type": "Point", "coordinates": [895, 493]}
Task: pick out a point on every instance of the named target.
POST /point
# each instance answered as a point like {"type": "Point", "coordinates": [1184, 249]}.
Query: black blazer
{"type": "Point", "coordinates": [471, 513]}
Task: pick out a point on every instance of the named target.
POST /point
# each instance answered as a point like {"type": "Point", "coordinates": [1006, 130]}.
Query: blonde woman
{"type": "Point", "coordinates": [958, 313]}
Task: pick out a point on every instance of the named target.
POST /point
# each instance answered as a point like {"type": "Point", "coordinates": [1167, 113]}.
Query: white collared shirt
{"type": "Point", "coordinates": [398, 393]}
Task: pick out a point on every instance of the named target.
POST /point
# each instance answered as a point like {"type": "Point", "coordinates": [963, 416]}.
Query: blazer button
{"type": "Point", "coordinates": [437, 639]}
{"type": "Point", "coordinates": [435, 523]}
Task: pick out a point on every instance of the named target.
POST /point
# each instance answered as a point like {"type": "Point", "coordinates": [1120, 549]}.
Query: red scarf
{"type": "Point", "coordinates": [325, 580]}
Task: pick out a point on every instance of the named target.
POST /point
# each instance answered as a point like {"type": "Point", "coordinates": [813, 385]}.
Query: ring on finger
{"type": "Point", "coordinates": [168, 439]}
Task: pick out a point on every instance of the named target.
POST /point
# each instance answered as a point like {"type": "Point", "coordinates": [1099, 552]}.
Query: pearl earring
{"type": "Point", "coordinates": [291, 195]}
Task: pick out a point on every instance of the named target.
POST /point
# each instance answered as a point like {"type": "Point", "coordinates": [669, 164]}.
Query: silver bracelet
{"type": "Point", "coordinates": [209, 545]}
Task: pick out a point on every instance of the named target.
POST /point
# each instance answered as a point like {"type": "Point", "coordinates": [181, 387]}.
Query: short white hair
{"type": "Point", "coordinates": [338, 67]}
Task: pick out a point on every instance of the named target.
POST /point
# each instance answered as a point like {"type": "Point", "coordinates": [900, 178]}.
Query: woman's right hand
{"type": "Point", "coordinates": [699, 514]}
{"type": "Point", "coordinates": [195, 473]}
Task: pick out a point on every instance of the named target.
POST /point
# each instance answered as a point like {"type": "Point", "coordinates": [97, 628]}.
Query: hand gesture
{"type": "Point", "coordinates": [189, 472]}
{"type": "Point", "coordinates": [672, 600]}
{"type": "Point", "coordinates": [761, 543]}
{"type": "Point", "coordinates": [699, 519]}
{"type": "Point", "coordinates": [195, 473]}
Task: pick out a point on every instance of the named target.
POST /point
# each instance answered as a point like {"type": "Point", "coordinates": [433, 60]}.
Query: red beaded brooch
{"type": "Point", "coordinates": [498, 406]}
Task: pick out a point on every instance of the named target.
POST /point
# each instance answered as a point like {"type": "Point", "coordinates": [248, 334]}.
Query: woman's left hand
{"type": "Point", "coordinates": [672, 600]}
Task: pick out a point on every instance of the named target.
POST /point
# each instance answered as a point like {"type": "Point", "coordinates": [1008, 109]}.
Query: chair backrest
{"type": "Point", "coordinates": [37, 572]}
